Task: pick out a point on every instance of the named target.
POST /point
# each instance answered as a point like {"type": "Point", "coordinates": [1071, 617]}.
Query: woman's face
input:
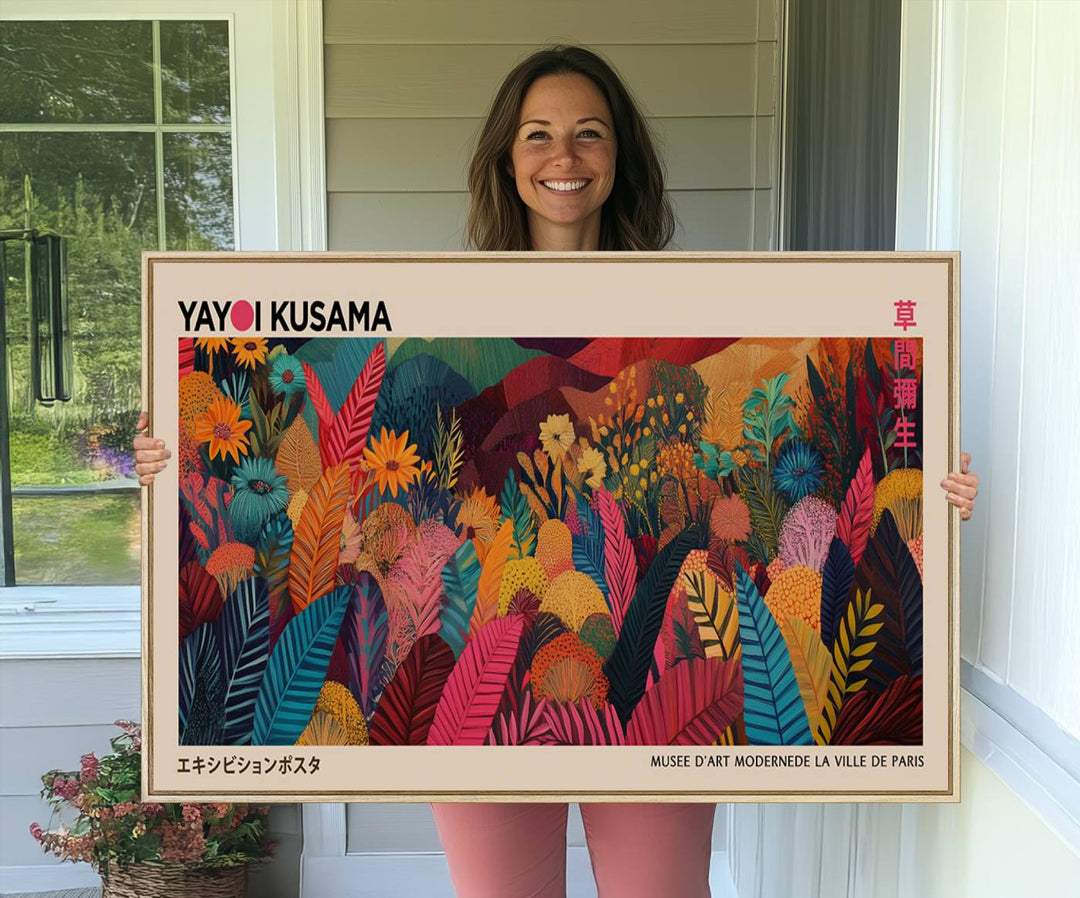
{"type": "Point", "coordinates": [563, 159]}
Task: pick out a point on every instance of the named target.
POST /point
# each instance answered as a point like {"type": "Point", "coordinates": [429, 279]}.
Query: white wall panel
{"type": "Point", "coordinates": [37, 693]}
{"type": "Point", "coordinates": [51, 713]}
{"type": "Point", "coordinates": [713, 219]}
{"type": "Point", "coordinates": [432, 154]}
{"type": "Point", "coordinates": [982, 85]}
{"type": "Point", "coordinates": [390, 827]}
{"type": "Point", "coordinates": [531, 23]}
{"type": "Point", "coordinates": [1014, 217]}
{"type": "Point", "coordinates": [769, 13]}
{"type": "Point", "coordinates": [459, 80]}
{"type": "Point", "coordinates": [27, 752]}
{"type": "Point", "coordinates": [407, 222]}
{"type": "Point", "coordinates": [1045, 632]}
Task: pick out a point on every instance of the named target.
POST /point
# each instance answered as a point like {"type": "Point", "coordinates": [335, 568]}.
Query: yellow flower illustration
{"type": "Point", "coordinates": [593, 465]}
{"type": "Point", "coordinates": [249, 351]}
{"type": "Point", "coordinates": [557, 435]}
{"type": "Point", "coordinates": [212, 344]}
{"type": "Point", "coordinates": [479, 515]}
{"type": "Point", "coordinates": [221, 427]}
{"type": "Point", "coordinates": [393, 462]}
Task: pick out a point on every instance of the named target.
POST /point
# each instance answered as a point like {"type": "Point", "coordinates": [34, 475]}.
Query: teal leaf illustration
{"type": "Point", "coordinates": [773, 712]}
{"type": "Point", "coordinates": [707, 462]}
{"type": "Point", "coordinates": [192, 650]}
{"type": "Point", "coordinates": [297, 669]}
{"type": "Point", "coordinates": [461, 579]}
{"type": "Point", "coordinates": [516, 507]}
{"type": "Point", "coordinates": [767, 414]}
{"type": "Point", "coordinates": [204, 720]}
{"type": "Point", "coordinates": [588, 545]}
{"type": "Point", "coordinates": [243, 636]}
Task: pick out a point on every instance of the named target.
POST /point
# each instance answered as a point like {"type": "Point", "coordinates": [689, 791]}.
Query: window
{"type": "Point", "coordinates": [278, 181]}
{"type": "Point", "coordinates": [118, 136]}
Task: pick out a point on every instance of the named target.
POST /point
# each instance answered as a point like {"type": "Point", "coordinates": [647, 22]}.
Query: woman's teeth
{"type": "Point", "coordinates": [564, 186]}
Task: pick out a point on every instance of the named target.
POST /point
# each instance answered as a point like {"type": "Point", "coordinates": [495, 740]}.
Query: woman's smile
{"type": "Point", "coordinates": [573, 186]}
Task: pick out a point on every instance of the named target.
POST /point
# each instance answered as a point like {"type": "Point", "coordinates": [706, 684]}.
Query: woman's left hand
{"type": "Point", "coordinates": [961, 489]}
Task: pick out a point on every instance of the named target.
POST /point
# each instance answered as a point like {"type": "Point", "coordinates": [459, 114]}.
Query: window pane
{"type": "Point", "coordinates": [77, 540]}
{"type": "Point", "coordinates": [195, 71]}
{"type": "Point", "coordinates": [198, 192]}
{"type": "Point", "coordinates": [98, 191]}
{"type": "Point", "coordinates": [76, 72]}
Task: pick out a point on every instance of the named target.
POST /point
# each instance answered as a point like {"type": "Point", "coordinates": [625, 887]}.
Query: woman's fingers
{"type": "Point", "coordinates": [150, 467]}
{"type": "Point", "coordinates": [962, 488]}
{"type": "Point", "coordinates": [960, 502]}
{"type": "Point", "coordinates": [151, 455]}
{"type": "Point", "coordinates": [965, 485]}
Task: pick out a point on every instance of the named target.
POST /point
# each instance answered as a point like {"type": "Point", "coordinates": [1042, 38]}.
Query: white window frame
{"type": "Point", "coordinates": [1034, 756]}
{"type": "Point", "coordinates": [279, 190]}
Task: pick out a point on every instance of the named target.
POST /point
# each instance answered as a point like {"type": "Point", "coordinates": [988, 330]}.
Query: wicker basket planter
{"type": "Point", "coordinates": [174, 881]}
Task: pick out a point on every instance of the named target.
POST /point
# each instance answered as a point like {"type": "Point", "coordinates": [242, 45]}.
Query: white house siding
{"type": "Point", "coordinates": [408, 83]}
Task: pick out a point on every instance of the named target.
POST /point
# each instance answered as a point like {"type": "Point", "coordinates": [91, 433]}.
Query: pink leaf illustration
{"type": "Point", "coordinates": [853, 524]}
{"type": "Point", "coordinates": [475, 687]}
{"type": "Point", "coordinates": [693, 704]}
{"type": "Point", "coordinates": [620, 562]}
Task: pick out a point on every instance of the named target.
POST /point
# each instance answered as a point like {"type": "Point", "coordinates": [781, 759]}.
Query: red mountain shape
{"type": "Point", "coordinates": [543, 373]}
{"type": "Point", "coordinates": [607, 356]}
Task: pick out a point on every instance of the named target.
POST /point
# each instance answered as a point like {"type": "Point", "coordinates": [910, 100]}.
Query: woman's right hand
{"type": "Point", "coordinates": [150, 453]}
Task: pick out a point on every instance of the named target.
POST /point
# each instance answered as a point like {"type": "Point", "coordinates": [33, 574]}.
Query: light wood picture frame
{"type": "Point", "coordinates": [537, 527]}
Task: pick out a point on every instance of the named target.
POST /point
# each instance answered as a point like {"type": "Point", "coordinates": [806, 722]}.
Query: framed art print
{"type": "Point", "coordinates": [533, 526]}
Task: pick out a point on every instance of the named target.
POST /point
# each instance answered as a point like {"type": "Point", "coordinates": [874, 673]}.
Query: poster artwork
{"type": "Point", "coordinates": [392, 538]}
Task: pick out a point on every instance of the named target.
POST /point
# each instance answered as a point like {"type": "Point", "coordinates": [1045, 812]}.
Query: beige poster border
{"type": "Point", "coordinates": [499, 285]}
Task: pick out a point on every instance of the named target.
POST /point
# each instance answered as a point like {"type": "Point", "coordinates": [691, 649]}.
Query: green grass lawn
{"type": "Point", "coordinates": [83, 539]}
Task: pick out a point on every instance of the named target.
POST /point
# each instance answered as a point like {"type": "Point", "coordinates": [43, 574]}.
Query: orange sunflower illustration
{"type": "Point", "coordinates": [221, 427]}
{"type": "Point", "coordinates": [212, 344]}
{"type": "Point", "coordinates": [249, 351]}
{"type": "Point", "coordinates": [479, 515]}
{"type": "Point", "coordinates": [392, 462]}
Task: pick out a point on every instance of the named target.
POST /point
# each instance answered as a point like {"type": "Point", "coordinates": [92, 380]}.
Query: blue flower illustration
{"type": "Point", "coordinates": [260, 493]}
{"type": "Point", "coordinates": [799, 470]}
{"type": "Point", "coordinates": [286, 375]}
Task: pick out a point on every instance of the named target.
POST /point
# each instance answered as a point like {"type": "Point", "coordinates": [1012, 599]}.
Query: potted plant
{"type": "Point", "coordinates": [141, 849]}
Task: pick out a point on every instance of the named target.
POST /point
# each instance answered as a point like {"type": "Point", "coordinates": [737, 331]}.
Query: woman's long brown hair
{"type": "Point", "coordinates": [637, 214]}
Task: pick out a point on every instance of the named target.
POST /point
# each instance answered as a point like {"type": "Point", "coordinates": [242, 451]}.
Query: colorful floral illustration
{"type": "Point", "coordinates": [547, 541]}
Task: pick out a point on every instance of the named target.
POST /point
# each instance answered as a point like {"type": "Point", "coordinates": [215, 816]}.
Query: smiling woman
{"type": "Point", "coordinates": [563, 160]}
{"type": "Point", "coordinates": [560, 118]}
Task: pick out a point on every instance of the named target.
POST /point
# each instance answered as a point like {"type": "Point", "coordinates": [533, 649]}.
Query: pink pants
{"type": "Point", "coordinates": [644, 850]}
